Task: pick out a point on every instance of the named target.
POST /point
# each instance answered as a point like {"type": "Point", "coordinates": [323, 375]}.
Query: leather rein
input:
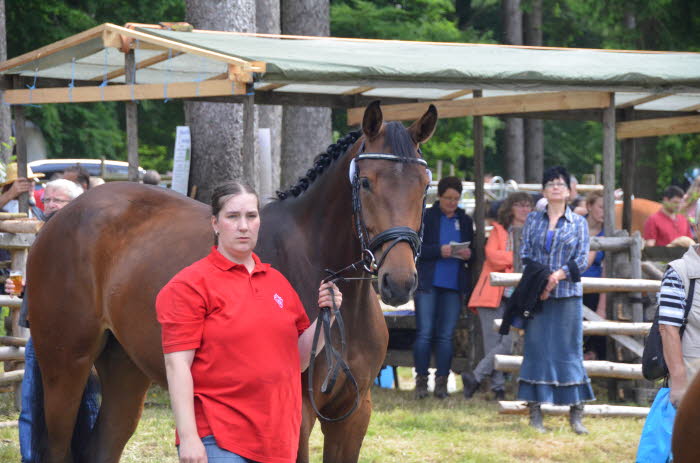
{"type": "Point", "coordinates": [335, 359]}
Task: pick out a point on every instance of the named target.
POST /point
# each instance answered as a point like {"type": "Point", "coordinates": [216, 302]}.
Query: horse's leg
{"type": "Point", "coordinates": [64, 378]}
{"type": "Point", "coordinates": [123, 391]}
{"type": "Point", "coordinates": [308, 419]}
{"type": "Point", "coordinates": [343, 440]}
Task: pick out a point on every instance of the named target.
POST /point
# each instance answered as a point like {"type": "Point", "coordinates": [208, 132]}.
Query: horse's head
{"type": "Point", "coordinates": [390, 180]}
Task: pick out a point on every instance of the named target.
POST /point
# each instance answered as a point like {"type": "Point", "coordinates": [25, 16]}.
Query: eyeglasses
{"type": "Point", "coordinates": [55, 200]}
{"type": "Point", "coordinates": [525, 205]}
{"type": "Point", "coordinates": [555, 185]}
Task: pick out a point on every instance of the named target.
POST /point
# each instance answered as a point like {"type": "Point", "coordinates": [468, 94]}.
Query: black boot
{"type": "Point", "coordinates": [536, 416]}
{"type": "Point", "coordinates": [499, 394]}
{"type": "Point", "coordinates": [471, 385]}
{"type": "Point", "coordinates": [441, 387]}
{"type": "Point", "coordinates": [575, 415]}
{"type": "Point", "coordinates": [421, 386]}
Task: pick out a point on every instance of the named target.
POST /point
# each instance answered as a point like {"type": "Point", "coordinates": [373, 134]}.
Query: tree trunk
{"type": "Point", "coordinates": [268, 22]}
{"type": "Point", "coordinates": [5, 115]}
{"type": "Point", "coordinates": [534, 128]}
{"type": "Point", "coordinates": [217, 129]}
{"type": "Point", "coordinates": [514, 132]}
{"type": "Point", "coordinates": [306, 131]}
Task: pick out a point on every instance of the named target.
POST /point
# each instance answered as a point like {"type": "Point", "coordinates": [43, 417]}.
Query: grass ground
{"type": "Point", "coordinates": [403, 430]}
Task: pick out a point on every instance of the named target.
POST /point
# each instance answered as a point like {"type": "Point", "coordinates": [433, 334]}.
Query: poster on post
{"type": "Point", "coordinates": [181, 161]}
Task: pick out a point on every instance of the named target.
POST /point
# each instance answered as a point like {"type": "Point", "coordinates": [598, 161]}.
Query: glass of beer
{"type": "Point", "coordinates": [16, 277]}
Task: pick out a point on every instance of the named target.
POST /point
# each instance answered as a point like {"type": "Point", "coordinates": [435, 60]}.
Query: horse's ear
{"type": "Point", "coordinates": [372, 120]}
{"type": "Point", "coordinates": [423, 128]}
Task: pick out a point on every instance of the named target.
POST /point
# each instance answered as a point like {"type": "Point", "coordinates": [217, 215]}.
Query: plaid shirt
{"type": "Point", "coordinates": [569, 249]}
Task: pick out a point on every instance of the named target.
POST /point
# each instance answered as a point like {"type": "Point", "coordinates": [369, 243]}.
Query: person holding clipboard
{"type": "Point", "coordinates": [444, 283]}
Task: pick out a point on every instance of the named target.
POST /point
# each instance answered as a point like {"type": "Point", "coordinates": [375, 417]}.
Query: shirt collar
{"type": "Point", "coordinates": [222, 263]}
{"type": "Point", "coordinates": [568, 214]}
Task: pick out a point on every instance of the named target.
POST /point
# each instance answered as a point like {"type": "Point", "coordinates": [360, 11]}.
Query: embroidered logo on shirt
{"type": "Point", "coordinates": [279, 300]}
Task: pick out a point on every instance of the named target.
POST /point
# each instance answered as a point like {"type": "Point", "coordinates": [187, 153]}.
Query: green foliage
{"type": "Point", "coordinates": [678, 154]}
{"type": "Point", "coordinates": [95, 129]}
{"type": "Point", "coordinates": [424, 20]}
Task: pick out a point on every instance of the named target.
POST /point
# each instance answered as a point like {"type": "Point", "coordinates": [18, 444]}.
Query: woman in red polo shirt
{"type": "Point", "coordinates": [236, 338]}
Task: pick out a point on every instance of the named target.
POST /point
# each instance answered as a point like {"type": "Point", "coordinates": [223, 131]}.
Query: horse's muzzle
{"type": "Point", "coordinates": [396, 291]}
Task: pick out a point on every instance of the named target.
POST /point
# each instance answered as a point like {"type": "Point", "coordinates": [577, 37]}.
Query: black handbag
{"type": "Point", "coordinates": [653, 363]}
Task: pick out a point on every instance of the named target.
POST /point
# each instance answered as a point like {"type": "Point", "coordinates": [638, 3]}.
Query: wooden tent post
{"type": "Point", "coordinates": [479, 209]}
{"type": "Point", "coordinates": [249, 155]}
{"type": "Point", "coordinates": [21, 140]}
{"type": "Point", "coordinates": [132, 119]}
{"type": "Point", "coordinates": [609, 170]}
{"type": "Point", "coordinates": [629, 160]}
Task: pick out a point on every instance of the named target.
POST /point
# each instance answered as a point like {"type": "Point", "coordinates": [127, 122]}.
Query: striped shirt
{"type": "Point", "coordinates": [671, 299]}
{"type": "Point", "coordinates": [568, 251]}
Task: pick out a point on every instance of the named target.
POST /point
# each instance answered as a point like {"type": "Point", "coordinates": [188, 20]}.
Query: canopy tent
{"type": "Point", "coordinates": [113, 63]}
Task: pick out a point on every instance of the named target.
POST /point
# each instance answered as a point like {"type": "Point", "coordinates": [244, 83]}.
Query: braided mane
{"type": "Point", "coordinates": [321, 162]}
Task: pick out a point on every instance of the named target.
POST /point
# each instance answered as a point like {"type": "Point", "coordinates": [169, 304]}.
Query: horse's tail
{"type": "Point", "coordinates": [85, 421]}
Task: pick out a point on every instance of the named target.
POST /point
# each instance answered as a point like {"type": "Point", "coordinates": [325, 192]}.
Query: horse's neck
{"type": "Point", "coordinates": [325, 217]}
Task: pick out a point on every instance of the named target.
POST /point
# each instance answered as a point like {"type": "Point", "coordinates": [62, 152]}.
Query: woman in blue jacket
{"type": "Point", "coordinates": [444, 281]}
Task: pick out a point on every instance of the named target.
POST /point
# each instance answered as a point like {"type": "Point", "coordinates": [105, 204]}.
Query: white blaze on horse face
{"type": "Point", "coordinates": [237, 225]}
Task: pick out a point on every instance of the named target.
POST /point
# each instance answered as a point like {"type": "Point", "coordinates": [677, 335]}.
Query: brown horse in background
{"type": "Point", "coordinates": [97, 266]}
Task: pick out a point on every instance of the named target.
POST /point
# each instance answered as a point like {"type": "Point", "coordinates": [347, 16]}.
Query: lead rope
{"type": "Point", "coordinates": [334, 358]}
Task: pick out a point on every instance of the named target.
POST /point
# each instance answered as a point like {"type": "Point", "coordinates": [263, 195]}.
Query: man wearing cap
{"type": "Point", "coordinates": [13, 186]}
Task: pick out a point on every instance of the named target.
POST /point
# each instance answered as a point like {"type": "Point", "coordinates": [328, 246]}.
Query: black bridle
{"type": "Point", "coordinates": [394, 234]}
{"type": "Point", "coordinates": [336, 359]}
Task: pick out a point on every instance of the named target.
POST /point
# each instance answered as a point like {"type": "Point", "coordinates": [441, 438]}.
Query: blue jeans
{"type": "Point", "coordinates": [31, 416]}
{"type": "Point", "coordinates": [437, 312]}
{"type": "Point", "coordinates": [216, 453]}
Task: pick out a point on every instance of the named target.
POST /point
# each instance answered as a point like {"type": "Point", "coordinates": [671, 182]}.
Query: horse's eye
{"type": "Point", "coordinates": [364, 181]}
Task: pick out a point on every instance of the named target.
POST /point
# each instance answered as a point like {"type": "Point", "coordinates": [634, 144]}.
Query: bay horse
{"type": "Point", "coordinates": [96, 267]}
{"type": "Point", "coordinates": [686, 428]}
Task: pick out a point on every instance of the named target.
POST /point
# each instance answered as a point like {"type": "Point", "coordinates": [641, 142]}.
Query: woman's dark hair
{"type": "Point", "coordinates": [673, 192]}
{"type": "Point", "coordinates": [449, 182]}
{"type": "Point", "coordinates": [505, 211]}
{"type": "Point", "coordinates": [554, 173]}
{"type": "Point", "coordinates": [224, 191]}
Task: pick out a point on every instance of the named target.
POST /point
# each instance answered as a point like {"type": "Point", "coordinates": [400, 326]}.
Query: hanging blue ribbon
{"type": "Point", "coordinates": [31, 89]}
{"type": "Point", "coordinates": [72, 80]}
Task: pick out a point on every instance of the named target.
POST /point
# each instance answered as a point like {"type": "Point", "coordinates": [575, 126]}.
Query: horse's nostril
{"type": "Point", "coordinates": [385, 281]}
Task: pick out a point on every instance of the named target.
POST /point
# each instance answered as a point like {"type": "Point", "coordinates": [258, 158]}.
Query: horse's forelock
{"type": "Point", "coordinates": [399, 139]}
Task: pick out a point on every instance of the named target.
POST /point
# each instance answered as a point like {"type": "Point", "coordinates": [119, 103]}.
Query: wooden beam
{"type": "Point", "coordinates": [358, 90]}
{"type": "Point", "coordinates": [269, 87]}
{"type": "Point", "coordinates": [520, 408]}
{"type": "Point", "coordinates": [657, 127]}
{"type": "Point", "coordinates": [642, 100]}
{"type": "Point", "coordinates": [603, 327]}
{"type": "Point", "coordinates": [140, 65]}
{"type": "Point", "coordinates": [457, 94]}
{"type": "Point", "coordinates": [245, 66]}
{"type": "Point", "coordinates": [599, 368]}
{"type": "Point", "coordinates": [590, 284]}
{"type": "Point", "coordinates": [53, 48]}
{"type": "Point", "coordinates": [495, 105]}
{"type": "Point", "coordinates": [21, 140]}
{"type": "Point", "coordinates": [124, 92]}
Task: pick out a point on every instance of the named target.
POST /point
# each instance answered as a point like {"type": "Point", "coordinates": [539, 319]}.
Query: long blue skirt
{"type": "Point", "coordinates": [552, 369]}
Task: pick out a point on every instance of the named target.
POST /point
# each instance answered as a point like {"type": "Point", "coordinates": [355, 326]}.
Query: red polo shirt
{"type": "Point", "coordinates": [244, 328]}
{"type": "Point", "coordinates": [664, 229]}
